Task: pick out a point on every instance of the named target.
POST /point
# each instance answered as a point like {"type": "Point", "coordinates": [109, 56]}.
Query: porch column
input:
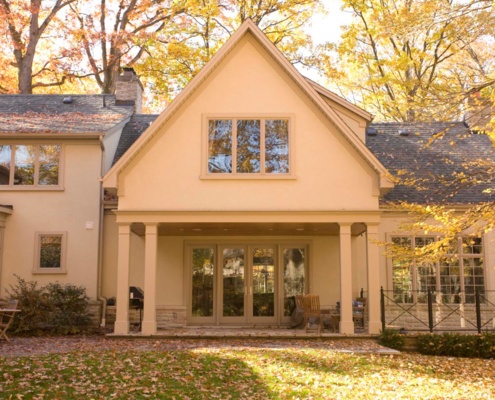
{"type": "Point", "coordinates": [122, 317]}
{"type": "Point", "coordinates": [374, 325]}
{"type": "Point", "coordinates": [346, 322]}
{"type": "Point", "coordinates": [150, 258]}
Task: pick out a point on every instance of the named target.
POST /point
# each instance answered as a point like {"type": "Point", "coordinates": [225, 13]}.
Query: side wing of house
{"type": "Point", "coordinates": [51, 163]}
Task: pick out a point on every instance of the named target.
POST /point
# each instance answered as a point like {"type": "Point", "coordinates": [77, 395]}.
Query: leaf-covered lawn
{"type": "Point", "coordinates": [244, 373]}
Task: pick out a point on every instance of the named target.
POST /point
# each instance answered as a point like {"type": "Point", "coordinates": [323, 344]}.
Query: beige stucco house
{"type": "Point", "coordinates": [254, 185]}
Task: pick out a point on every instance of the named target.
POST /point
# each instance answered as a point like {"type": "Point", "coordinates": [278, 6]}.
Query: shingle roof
{"type": "Point", "coordinates": [434, 165]}
{"type": "Point", "coordinates": [47, 113]}
{"type": "Point", "coordinates": [132, 130]}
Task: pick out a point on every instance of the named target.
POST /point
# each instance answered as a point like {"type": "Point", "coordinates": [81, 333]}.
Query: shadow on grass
{"type": "Point", "coordinates": [182, 374]}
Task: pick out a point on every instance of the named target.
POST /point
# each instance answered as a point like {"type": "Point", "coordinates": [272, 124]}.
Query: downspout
{"type": "Point", "coordinates": [100, 239]}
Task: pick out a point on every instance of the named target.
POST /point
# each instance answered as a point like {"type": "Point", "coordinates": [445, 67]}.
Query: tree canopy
{"type": "Point", "coordinates": [415, 60]}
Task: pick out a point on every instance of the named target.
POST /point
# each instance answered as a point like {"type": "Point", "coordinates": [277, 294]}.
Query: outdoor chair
{"type": "Point", "coordinates": [8, 309]}
{"type": "Point", "coordinates": [311, 310]}
{"type": "Point", "coordinates": [360, 313]}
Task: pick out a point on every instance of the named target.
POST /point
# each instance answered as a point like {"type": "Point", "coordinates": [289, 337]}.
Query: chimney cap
{"type": "Point", "coordinates": [129, 71]}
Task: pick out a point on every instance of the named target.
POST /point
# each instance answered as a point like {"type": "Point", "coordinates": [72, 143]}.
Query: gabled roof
{"type": "Point", "coordinates": [340, 100]}
{"type": "Point", "coordinates": [433, 166]}
{"type": "Point", "coordinates": [50, 114]}
{"type": "Point", "coordinates": [131, 132]}
{"type": "Point", "coordinates": [248, 27]}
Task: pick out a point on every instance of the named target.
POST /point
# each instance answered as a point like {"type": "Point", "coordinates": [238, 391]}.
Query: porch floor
{"type": "Point", "coordinates": [216, 332]}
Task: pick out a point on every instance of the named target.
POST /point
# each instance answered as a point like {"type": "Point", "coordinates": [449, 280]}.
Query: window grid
{"type": "Point", "coordinates": [454, 278]}
{"type": "Point", "coordinates": [248, 146]}
{"type": "Point", "coordinates": [29, 165]}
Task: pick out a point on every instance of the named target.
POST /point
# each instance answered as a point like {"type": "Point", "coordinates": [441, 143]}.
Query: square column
{"type": "Point", "coordinates": [374, 324]}
{"type": "Point", "coordinates": [123, 256]}
{"type": "Point", "coordinates": [150, 261]}
{"type": "Point", "coordinates": [346, 321]}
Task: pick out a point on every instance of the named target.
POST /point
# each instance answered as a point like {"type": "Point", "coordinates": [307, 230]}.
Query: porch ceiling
{"type": "Point", "coordinates": [246, 229]}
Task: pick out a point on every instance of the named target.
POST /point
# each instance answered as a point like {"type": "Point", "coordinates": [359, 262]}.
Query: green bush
{"type": "Point", "coordinates": [391, 338]}
{"type": "Point", "coordinates": [457, 345]}
{"type": "Point", "coordinates": [54, 308]}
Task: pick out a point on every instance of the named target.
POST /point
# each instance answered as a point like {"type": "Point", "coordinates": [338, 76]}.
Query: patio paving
{"type": "Point", "coordinates": [36, 346]}
{"type": "Point", "coordinates": [203, 332]}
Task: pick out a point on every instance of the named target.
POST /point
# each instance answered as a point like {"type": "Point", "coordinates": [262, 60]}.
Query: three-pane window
{"type": "Point", "coordinates": [28, 165]}
{"type": "Point", "coordinates": [248, 146]}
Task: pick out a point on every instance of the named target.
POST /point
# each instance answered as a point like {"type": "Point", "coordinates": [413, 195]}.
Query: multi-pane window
{"type": "Point", "coordinates": [248, 146]}
{"type": "Point", "coordinates": [454, 279]}
{"type": "Point", "coordinates": [50, 252]}
{"type": "Point", "coordinates": [28, 165]}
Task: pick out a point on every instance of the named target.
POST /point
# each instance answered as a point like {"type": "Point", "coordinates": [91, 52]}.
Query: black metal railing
{"type": "Point", "coordinates": [431, 310]}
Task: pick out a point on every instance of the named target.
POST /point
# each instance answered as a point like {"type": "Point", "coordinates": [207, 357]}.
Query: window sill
{"type": "Point", "coordinates": [247, 177]}
{"type": "Point", "coordinates": [54, 271]}
{"type": "Point", "coordinates": [31, 188]}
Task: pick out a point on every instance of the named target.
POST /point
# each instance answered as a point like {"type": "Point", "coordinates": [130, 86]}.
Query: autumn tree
{"type": "Point", "coordinates": [175, 56]}
{"type": "Point", "coordinates": [23, 25]}
{"type": "Point", "coordinates": [114, 33]}
{"type": "Point", "coordinates": [413, 60]}
{"type": "Point", "coordinates": [416, 61]}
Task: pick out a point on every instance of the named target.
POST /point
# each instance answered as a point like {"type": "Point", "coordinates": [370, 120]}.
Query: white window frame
{"type": "Point", "coordinates": [205, 174]}
{"type": "Point", "coordinates": [35, 185]}
{"type": "Point", "coordinates": [37, 253]}
{"type": "Point", "coordinates": [438, 287]}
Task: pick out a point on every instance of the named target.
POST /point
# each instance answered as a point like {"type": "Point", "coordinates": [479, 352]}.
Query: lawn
{"type": "Point", "coordinates": [243, 373]}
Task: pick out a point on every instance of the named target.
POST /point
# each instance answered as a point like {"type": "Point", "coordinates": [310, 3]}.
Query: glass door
{"type": "Point", "coordinates": [262, 285]}
{"type": "Point", "coordinates": [233, 285]}
{"type": "Point", "coordinates": [294, 277]}
{"type": "Point", "coordinates": [248, 285]}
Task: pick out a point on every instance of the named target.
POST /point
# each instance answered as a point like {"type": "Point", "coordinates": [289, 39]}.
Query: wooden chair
{"type": "Point", "coordinates": [311, 309]}
{"type": "Point", "coordinates": [360, 315]}
{"type": "Point", "coordinates": [8, 309]}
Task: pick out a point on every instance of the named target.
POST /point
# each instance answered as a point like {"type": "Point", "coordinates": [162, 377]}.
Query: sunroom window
{"type": "Point", "coordinates": [248, 146]}
{"type": "Point", "coordinates": [453, 279]}
{"type": "Point", "coordinates": [29, 165]}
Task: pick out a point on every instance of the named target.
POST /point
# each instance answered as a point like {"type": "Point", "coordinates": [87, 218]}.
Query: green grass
{"type": "Point", "coordinates": [244, 373]}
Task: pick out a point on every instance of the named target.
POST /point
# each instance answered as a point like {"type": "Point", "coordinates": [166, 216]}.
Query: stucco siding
{"type": "Point", "coordinates": [166, 174]}
{"type": "Point", "coordinates": [74, 210]}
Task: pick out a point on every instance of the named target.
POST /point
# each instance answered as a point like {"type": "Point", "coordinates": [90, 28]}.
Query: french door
{"type": "Point", "coordinates": [245, 284]}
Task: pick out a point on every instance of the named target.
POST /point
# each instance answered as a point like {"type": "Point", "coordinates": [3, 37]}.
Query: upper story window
{"type": "Point", "coordinates": [30, 165]}
{"type": "Point", "coordinates": [239, 146]}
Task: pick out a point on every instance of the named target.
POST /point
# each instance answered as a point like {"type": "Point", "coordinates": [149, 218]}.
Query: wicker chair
{"type": "Point", "coordinates": [311, 310]}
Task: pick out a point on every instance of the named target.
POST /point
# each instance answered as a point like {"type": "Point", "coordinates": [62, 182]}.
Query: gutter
{"type": "Point", "coordinates": [100, 239]}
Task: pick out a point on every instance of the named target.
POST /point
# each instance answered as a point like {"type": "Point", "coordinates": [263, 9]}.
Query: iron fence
{"type": "Point", "coordinates": [435, 311]}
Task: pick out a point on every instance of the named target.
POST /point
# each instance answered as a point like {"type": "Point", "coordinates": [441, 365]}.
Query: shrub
{"type": "Point", "coordinates": [457, 345]}
{"type": "Point", "coordinates": [70, 307]}
{"type": "Point", "coordinates": [391, 338]}
{"type": "Point", "coordinates": [54, 308]}
{"type": "Point", "coordinates": [33, 302]}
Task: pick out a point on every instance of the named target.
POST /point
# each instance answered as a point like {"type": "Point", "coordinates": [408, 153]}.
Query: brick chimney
{"type": "Point", "coordinates": [129, 90]}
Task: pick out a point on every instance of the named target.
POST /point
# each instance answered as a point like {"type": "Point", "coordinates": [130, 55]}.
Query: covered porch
{"type": "Point", "coordinates": [246, 262]}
